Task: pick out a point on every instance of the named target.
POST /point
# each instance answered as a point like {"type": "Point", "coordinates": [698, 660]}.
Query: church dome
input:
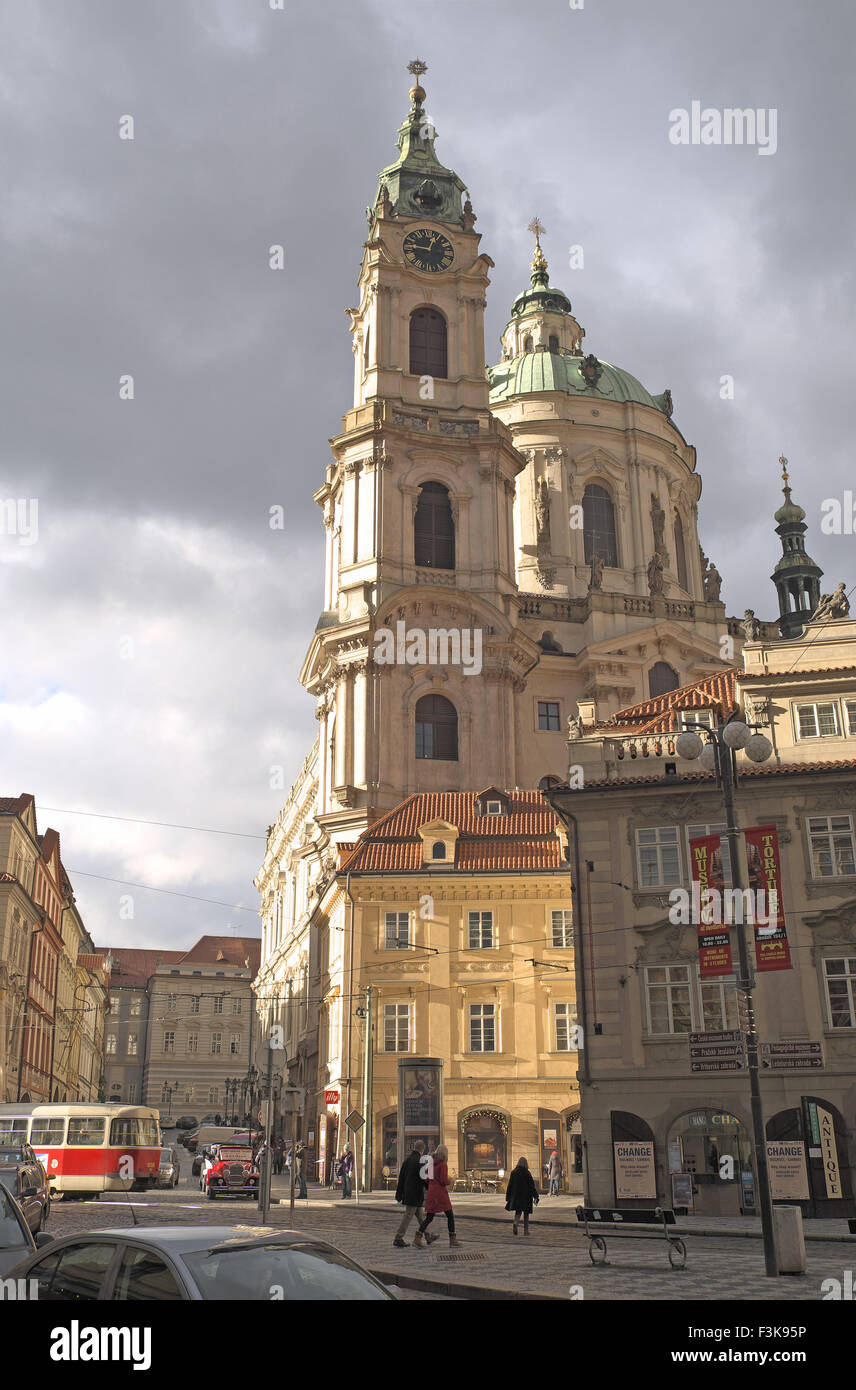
{"type": "Point", "coordinates": [573, 374]}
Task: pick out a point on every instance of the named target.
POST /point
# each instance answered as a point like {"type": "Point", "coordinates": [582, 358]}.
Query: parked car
{"type": "Point", "coordinates": [169, 1170]}
{"type": "Point", "coordinates": [167, 1122]}
{"type": "Point", "coordinates": [186, 1122]}
{"type": "Point", "coordinates": [16, 1239]}
{"type": "Point", "coordinates": [198, 1157]}
{"type": "Point", "coordinates": [233, 1174]}
{"type": "Point", "coordinates": [188, 1139]}
{"type": "Point", "coordinates": [211, 1120]}
{"type": "Point", "coordinates": [196, 1263]}
{"type": "Point", "coordinates": [208, 1134]}
{"type": "Point", "coordinates": [26, 1179]}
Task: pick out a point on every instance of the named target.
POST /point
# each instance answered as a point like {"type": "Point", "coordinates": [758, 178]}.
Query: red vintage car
{"type": "Point", "coordinates": [233, 1173]}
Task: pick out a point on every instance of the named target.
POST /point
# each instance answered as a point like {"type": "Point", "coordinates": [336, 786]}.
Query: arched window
{"type": "Point", "coordinates": [662, 678]}
{"type": "Point", "coordinates": [554, 342]}
{"type": "Point", "coordinates": [434, 529]}
{"type": "Point", "coordinates": [599, 525]}
{"type": "Point", "coordinates": [366, 350]}
{"type": "Point", "coordinates": [438, 850]}
{"type": "Point", "coordinates": [527, 344]}
{"type": "Point", "coordinates": [548, 783]}
{"type": "Point", "coordinates": [436, 729]}
{"type": "Point", "coordinates": [428, 343]}
{"type": "Point", "coordinates": [680, 554]}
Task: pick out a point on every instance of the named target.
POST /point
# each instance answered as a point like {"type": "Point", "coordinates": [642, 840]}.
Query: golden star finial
{"type": "Point", "coordinates": [417, 67]}
{"type": "Point", "coordinates": [536, 226]}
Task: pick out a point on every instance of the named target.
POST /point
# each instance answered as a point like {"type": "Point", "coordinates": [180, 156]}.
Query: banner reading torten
{"type": "Point", "coordinates": [765, 872]}
{"type": "Point", "coordinates": [714, 942]}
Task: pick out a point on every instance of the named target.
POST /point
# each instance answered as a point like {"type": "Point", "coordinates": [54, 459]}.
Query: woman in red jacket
{"type": "Point", "coordinates": [438, 1198]}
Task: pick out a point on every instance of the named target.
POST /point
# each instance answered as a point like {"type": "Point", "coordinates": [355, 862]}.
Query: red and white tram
{"type": "Point", "coordinates": [87, 1147]}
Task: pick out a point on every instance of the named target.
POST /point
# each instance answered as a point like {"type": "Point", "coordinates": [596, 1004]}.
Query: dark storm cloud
{"type": "Point", "coordinates": [256, 127]}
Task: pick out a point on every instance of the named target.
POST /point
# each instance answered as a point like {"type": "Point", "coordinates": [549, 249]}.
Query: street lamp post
{"type": "Point", "coordinates": [719, 755]}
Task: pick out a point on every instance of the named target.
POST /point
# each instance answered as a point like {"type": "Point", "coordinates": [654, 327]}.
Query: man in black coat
{"type": "Point", "coordinates": [411, 1191]}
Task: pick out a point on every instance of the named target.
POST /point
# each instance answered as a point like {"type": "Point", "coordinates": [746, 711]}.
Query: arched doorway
{"type": "Point", "coordinates": [713, 1149]}
{"type": "Point", "coordinates": [484, 1141]}
{"type": "Point", "coordinates": [817, 1168]}
{"type": "Point", "coordinates": [573, 1160]}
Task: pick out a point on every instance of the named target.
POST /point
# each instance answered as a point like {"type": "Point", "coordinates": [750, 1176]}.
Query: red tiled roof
{"type": "Point", "coordinates": [133, 967]}
{"type": "Point", "coordinates": [654, 715]}
{"type": "Point", "coordinates": [14, 805]}
{"type": "Point", "coordinates": [807, 671]}
{"type": "Point", "coordinates": [524, 839]}
{"type": "Point", "coordinates": [746, 770]}
{"type": "Point", "coordinates": [225, 950]}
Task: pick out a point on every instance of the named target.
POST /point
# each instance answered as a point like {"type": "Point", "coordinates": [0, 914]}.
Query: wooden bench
{"type": "Point", "coordinates": [623, 1223]}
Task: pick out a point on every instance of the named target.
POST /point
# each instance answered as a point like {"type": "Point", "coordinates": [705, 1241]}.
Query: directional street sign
{"type": "Point", "coordinates": [735, 1065]}
{"type": "Point", "coordinates": [792, 1056]}
{"type": "Point", "coordinates": [717, 1051]}
{"type": "Point", "coordinates": [355, 1120]}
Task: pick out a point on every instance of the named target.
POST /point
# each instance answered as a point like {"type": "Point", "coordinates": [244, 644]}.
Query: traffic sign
{"type": "Point", "coordinates": [717, 1051]}
{"type": "Point", "coordinates": [727, 1035]}
{"type": "Point", "coordinates": [355, 1120]}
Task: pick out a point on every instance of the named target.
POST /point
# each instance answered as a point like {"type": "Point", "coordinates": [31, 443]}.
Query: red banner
{"type": "Point", "coordinates": [765, 873]}
{"type": "Point", "coordinates": [714, 942]}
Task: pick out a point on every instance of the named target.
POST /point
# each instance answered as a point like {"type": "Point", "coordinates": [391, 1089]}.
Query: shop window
{"type": "Point", "coordinates": [485, 1136]}
{"type": "Point", "coordinates": [389, 1142]}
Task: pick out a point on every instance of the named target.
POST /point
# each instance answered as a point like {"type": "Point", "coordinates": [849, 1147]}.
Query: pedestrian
{"type": "Point", "coordinates": [206, 1165]}
{"type": "Point", "coordinates": [410, 1190]}
{"type": "Point", "coordinates": [555, 1173]}
{"type": "Point", "coordinates": [277, 1155]}
{"type": "Point", "coordinates": [520, 1194]}
{"type": "Point", "coordinates": [346, 1168]}
{"type": "Point", "coordinates": [217, 1119]}
{"type": "Point", "coordinates": [438, 1198]}
{"type": "Point", "coordinates": [300, 1161]}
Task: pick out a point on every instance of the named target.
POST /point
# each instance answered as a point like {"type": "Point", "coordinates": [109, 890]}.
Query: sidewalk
{"type": "Point", "coordinates": [558, 1212]}
{"type": "Point", "coordinates": [553, 1263]}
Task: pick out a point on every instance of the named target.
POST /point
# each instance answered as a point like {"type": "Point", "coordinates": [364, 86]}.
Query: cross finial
{"type": "Point", "coordinates": [536, 226]}
{"type": "Point", "coordinates": [417, 67]}
{"type": "Point", "coordinates": [783, 461]}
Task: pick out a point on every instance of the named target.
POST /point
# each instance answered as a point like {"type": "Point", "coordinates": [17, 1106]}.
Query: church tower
{"type": "Point", "coordinates": [418, 506]}
{"type": "Point", "coordinates": [796, 576]}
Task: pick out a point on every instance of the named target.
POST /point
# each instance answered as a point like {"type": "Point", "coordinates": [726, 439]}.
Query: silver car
{"type": "Point", "coordinates": [195, 1263]}
{"type": "Point", "coordinates": [169, 1171]}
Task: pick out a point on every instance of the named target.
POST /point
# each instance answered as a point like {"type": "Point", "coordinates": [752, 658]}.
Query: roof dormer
{"type": "Point", "coordinates": [493, 802]}
{"type": "Point", "coordinates": [439, 839]}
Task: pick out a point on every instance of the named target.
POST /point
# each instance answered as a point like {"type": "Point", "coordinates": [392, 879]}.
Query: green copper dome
{"type": "Point", "coordinates": [789, 510]}
{"type": "Point", "coordinates": [554, 371]}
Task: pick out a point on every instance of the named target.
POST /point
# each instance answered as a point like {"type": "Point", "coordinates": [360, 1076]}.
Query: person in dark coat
{"type": "Point", "coordinates": [411, 1191]}
{"type": "Point", "coordinates": [438, 1198]}
{"type": "Point", "coordinates": [520, 1194]}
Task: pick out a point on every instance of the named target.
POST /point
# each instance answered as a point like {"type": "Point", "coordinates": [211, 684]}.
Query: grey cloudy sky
{"type": "Point", "coordinates": [150, 639]}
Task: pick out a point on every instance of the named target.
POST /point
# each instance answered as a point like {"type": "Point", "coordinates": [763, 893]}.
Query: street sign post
{"type": "Point", "coordinates": [792, 1056]}
{"type": "Point", "coordinates": [717, 1051]}
{"type": "Point", "coordinates": [354, 1121]}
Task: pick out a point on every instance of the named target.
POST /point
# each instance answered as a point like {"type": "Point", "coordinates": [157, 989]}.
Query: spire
{"type": "Point", "coordinates": [796, 576]}
{"type": "Point", "coordinates": [539, 274]}
{"type": "Point", "coordinates": [417, 185]}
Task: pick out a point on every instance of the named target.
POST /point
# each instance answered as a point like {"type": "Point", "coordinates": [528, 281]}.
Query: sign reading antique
{"type": "Point", "coordinates": [635, 1178]}
{"type": "Point", "coordinates": [714, 942]}
{"type": "Point", "coordinates": [787, 1170]}
{"type": "Point", "coordinates": [829, 1151]}
{"type": "Point", "coordinates": [765, 875]}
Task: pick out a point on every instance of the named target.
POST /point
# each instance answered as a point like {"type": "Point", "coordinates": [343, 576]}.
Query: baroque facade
{"type": "Point", "coordinates": [507, 549]}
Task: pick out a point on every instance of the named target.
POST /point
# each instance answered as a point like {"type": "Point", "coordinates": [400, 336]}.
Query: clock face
{"type": "Point", "coordinates": [427, 250]}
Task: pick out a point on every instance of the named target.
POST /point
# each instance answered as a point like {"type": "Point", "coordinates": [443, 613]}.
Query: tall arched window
{"type": "Point", "coordinates": [527, 344]}
{"type": "Point", "coordinates": [680, 554]}
{"type": "Point", "coordinates": [428, 343]}
{"type": "Point", "coordinates": [554, 342]}
{"type": "Point", "coordinates": [434, 528]}
{"type": "Point", "coordinates": [662, 678]}
{"type": "Point", "coordinates": [599, 525]}
{"type": "Point", "coordinates": [436, 729]}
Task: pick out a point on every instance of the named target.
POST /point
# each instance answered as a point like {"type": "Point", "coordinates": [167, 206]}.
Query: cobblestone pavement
{"type": "Point", "coordinates": [551, 1262]}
